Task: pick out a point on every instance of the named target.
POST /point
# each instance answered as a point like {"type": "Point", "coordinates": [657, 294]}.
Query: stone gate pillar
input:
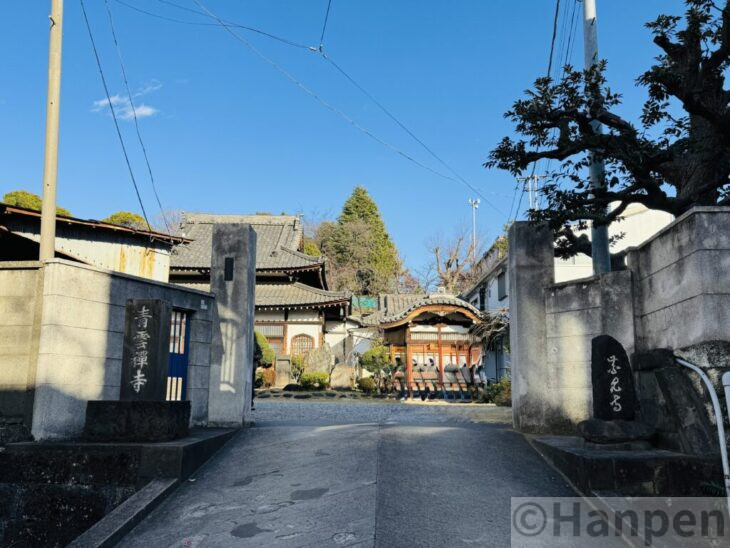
{"type": "Point", "coordinates": [233, 281]}
{"type": "Point", "coordinates": [531, 266]}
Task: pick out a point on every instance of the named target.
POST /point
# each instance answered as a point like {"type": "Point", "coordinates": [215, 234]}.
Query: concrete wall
{"type": "Point", "coordinates": [682, 281]}
{"type": "Point", "coordinates": [80, 345]}
{"type": "Point", "coordinates": [675, 293]}
{"type": "Point", "coordinates": [18, 322]}
{"type": "Point", "coordinates": [576, 312]}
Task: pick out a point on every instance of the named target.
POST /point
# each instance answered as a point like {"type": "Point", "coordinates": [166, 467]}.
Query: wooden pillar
{"type": "Point", "coordinates": [285, 334]}
{"type": "Point", "coordinates": [409, 361]}
{"type": "Point", "coordinates": [441, 359]}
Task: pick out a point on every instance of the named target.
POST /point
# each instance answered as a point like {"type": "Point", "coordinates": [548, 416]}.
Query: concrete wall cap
{"type": "Point", "coordinates": [20, 265]}
{"type": "Point", "coordinates": [174, 287]}
{"type": "Point", "coordinates": [679, 220]}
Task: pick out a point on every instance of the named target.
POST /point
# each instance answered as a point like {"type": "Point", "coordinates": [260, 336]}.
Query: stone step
{"type": "Point", "coordinates": [629, 472]}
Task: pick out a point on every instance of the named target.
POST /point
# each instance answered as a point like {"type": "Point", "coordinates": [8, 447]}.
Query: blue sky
{"type": "Point", "coordinates": [227, 133]}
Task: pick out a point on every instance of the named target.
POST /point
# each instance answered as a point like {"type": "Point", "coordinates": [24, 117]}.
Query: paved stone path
{"type": "Point", "coordinates": [357, 474]}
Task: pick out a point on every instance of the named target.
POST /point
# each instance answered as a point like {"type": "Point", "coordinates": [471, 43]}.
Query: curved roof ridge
{"type": "Point", "coordinates": [429, 300]}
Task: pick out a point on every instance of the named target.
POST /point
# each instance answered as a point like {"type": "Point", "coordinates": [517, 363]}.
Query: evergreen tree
{"type": "Point", "coordinates": [362, 256]}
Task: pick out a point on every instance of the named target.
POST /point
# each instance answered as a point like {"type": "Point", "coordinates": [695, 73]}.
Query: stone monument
{"type": "Point", "coordinates": [141, 414]}
{"type": "Point", "coordinates": [614, 397]}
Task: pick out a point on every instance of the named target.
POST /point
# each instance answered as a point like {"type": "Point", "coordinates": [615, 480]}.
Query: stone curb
{"type": "Point", "coordinates": [120, 521]}
{"type": "Point", "coordinates": [333, 395]}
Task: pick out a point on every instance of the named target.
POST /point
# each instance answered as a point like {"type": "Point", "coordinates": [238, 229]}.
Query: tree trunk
{"type": "Point", "coordinates": [705, 168]}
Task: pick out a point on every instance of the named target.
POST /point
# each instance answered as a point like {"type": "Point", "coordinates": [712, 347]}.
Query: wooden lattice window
{"type": "Point", "coordinates": [301, 345]}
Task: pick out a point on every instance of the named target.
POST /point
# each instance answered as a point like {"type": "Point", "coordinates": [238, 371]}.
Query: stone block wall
{"type": "Point", "coordinates": [576, 312]}
{"type": "Point", "coordinates": [674, 294]}
{"type": "Point", "coordinates": [682, 282]}
{"type": "Point", "coordinates": [81, 330]}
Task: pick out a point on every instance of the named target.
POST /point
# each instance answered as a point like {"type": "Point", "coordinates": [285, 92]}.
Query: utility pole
{"type": "Point", "coordinates": [532, 185]}
{"type": "Point", "coordinates": [597, 175]}
{"type": "Point", "coordinates": [474, 203]}
{"type": "Point", "coordinates": [53, 107]}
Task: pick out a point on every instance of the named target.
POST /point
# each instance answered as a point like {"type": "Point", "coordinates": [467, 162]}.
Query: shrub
{"type": "Point", "coordinates": [366, 384]}
{"type": "Point", "coordinates": [263, 354]}
{"type": "Point", "coordinates": [375, 359]}
{"type": "Point", "coordinates": [297, 368]}
{"type": "Point", "coordinates": [269, 377]}
{"type": "Point", "coordinates": [259, 379]}
{"type": "Point", "coordinates": [314, 379]}
{"type": "Point", "coordinates": [500, 393]}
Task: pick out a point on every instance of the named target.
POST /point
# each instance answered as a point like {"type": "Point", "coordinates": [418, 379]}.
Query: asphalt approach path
{"type": "Point", "coordinates": [357, 474]}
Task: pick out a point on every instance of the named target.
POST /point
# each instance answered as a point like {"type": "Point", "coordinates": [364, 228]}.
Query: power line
{"type": "Point", "coordinates": [114, 115]}
{"type": "Point", "coordinates": [512, 205]}
{"type": "Point", "coordinates": [134, 115]}
{"type": "Point", "coordinates": [229, 24]}
{"type": "Point", "coordinates": [555, 32]}
{"type": "Point", "coordinates": [199, 24]}
{"type": "Point", "coordinates": [519, 204]}
{"type": "Point", "coordinates": [324, 26]}
{"type": "Point", "coordinates": [404, 128]}
{"type": "Point", "coordinates": [334, 109]}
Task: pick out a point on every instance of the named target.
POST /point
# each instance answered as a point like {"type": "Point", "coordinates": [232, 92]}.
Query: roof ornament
{"type": "Point", "coordinates": [440, 292]}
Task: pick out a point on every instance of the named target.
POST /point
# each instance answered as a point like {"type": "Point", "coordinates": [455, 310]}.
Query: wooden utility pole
{"type": "Point", "coordinates": [53, 107]}
{"type": "Point", "coordinates": [599, 234]}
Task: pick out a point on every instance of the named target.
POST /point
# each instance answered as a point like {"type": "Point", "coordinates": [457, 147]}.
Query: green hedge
{"type": "Point", "coordinates": [314, 379]}
{"type": "Point", "coordinates": [263, 354]}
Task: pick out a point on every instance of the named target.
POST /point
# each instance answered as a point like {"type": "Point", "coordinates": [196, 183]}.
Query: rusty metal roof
{"type": "Point", "coordinates": [34, 216]}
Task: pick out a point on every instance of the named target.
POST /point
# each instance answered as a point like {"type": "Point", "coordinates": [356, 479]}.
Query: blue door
{"type": "Point", "coordinates": [177, 379]}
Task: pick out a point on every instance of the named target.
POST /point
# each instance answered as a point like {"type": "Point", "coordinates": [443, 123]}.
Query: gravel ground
{"type": "Point", "coordinates": [377, 411]}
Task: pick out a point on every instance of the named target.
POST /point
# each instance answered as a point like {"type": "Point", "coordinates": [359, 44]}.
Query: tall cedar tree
{"type": "Point", "coordinates": [362, 256]}
{"type": "Point", "coordinates": [676, 157]}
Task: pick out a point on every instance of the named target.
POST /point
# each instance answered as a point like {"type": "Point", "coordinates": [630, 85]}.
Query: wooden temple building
{"type": "Point", "coordinates": [295, 310]}
{"type": "Point", "coordinates": [430, 337]}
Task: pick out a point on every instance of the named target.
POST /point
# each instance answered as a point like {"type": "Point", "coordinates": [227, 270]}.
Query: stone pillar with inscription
{"type": "Point", "coordinates": [142, 413]}
{"type": "Point", "coordinates": [614, 398]}
{"type": "Point", "coordinates": [145, 355]}
{"type": "Point", "coordinates": [233, 281]}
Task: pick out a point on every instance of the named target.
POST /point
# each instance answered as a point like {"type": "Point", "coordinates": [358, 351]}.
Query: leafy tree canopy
{"type": "Point", "coordinates": [128, 219]}
{"type": "Point", "coordinates": [362, 256]}
{"type": "Point", "coordinates": [28, 200]}
{"type": "Point", "coordinates": [676, 156]}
